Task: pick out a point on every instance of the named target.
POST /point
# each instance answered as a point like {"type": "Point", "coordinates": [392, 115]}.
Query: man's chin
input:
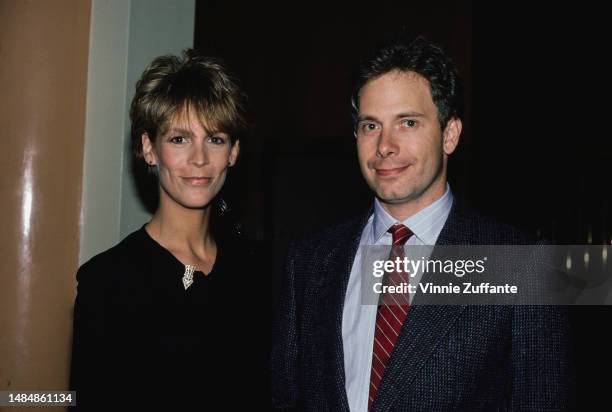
{"type": "Point", "coordinates": [393, 198]}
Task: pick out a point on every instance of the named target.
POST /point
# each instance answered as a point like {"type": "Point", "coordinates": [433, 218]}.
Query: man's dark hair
{"type": "Point", "coordinates": [421, 56]}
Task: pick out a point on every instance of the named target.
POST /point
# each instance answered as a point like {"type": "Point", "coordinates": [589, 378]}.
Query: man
{"type": "Point", "coordinates": [333, 353]}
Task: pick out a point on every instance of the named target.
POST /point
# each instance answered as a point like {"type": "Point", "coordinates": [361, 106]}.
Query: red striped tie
{"type": "Point", "coordinates": [392, 310]}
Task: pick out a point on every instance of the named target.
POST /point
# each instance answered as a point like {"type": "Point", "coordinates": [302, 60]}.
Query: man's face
{"type": "Point", "coordinates": [402, 150]}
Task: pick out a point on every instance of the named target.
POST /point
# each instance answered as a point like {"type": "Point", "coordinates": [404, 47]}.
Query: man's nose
{"type": "Point", "coordinates": [387, 145]}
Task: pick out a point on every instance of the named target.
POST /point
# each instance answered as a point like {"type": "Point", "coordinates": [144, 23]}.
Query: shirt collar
{"type": "Point", "coordinates": [426, 224]}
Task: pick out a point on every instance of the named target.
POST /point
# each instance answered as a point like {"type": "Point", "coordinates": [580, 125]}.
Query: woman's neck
{"type": "Point", "coordinates": [182, 230]}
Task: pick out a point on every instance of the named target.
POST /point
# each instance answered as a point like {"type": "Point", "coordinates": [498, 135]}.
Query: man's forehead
{"type": "Point", "coordinates": [396, 93]}
{"type": "Point", "coordinates": [397, 76]}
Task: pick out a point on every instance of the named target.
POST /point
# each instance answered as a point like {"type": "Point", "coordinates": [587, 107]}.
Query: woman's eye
{"type": "Point", "coordinates": [177, 139]}
{"type": "Point", "coordinates": [216, 139]}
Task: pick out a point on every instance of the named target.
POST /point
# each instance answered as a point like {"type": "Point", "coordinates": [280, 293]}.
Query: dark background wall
{"type": "Point", "coordinates": [535, 151]}
{"type": "Point", "coordinates": [295, 63]}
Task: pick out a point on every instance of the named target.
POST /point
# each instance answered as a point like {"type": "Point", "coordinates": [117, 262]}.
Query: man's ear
{"type": "Point", "coordinates": [451, 134]}
{"type": "Point", "coordinates": [234, 151]}
{"type": "Point", "coordinates": [147, 150]}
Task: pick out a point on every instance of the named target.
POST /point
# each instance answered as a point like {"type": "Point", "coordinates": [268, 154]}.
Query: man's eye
{"type": "Point", "coordinates": [177, 139]}
{"type": "Point", "coordinates": [368, 127]}
{"type": "Point", "coordinates": [410, 123]}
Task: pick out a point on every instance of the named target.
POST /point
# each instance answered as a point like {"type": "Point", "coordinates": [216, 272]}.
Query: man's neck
{"type": "Point", "coordinates": [403, 210]}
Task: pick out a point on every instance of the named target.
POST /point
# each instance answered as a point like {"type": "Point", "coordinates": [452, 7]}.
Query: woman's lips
{"type": "Point", "coordinates": [390, 172]}
{"type": "Point", "coordinates": [197, 181]}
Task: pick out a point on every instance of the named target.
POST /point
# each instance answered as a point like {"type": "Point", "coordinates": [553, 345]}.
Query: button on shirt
{"type": "Point", "coordinates": [359, 320]}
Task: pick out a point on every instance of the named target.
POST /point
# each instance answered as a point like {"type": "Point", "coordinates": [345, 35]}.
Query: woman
{"type": "Point", "coordinates": [172, 313]}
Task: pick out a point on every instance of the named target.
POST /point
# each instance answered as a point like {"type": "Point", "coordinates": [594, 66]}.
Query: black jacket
{"type": "Point", "coordinates": [140, 339]}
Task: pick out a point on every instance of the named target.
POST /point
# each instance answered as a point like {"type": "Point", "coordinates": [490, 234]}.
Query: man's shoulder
{"type": "Point", "coordinates": [339, 236]}
{"type": "Point", "coordinates": [466, 226]}
{"type": "Point", "coordinates": [340, 231]}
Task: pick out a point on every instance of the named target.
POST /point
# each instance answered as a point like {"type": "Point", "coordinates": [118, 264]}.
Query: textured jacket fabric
{"type": "Point", "coordinates": [455, 357]}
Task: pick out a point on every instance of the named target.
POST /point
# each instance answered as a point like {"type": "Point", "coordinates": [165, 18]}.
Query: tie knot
{"type": "Point", "coordinates": [400, 234]}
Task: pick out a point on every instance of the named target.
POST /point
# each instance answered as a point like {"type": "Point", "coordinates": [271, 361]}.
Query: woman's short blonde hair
{"type": "Point", "coordinates": [173, 84]}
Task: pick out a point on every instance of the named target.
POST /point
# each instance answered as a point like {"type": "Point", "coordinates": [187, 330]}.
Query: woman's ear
{"type": "Point", "coordinates": [234, 153]}
{"type": "Point", "coordinates": [147, 150]}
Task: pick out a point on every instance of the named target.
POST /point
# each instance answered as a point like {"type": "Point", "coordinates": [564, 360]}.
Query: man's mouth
{"type": "Point", "coordinates": [390, 172]}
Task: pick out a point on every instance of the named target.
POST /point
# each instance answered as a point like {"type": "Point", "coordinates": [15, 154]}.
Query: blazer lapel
{"type": "Point", "coordinates": [336, 270]}
{"type": "Point", "coordinates": [424, 328]}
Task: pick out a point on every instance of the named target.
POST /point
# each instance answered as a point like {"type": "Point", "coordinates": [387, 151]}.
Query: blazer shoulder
{"type": "Point", "coordinates": [340, 232]}
{"type": "Point", "coordinates": [103, 266]}
{"type": "Point", "coordinates": [467, 226]}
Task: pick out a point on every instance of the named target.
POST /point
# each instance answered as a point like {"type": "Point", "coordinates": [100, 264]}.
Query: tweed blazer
{"type": "Point", "coordinates": [455, 357]}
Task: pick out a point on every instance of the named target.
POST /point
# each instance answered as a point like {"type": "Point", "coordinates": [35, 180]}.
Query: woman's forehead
{"type": "Point", "coordinates": [189, 118]}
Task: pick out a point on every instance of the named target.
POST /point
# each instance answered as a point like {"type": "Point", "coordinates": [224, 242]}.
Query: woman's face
{"type": "Point", "coordinates": [191, 163]}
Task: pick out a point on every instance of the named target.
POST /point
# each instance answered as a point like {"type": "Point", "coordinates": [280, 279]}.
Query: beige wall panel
{"type": "Point", "coordinates": [43, 74]}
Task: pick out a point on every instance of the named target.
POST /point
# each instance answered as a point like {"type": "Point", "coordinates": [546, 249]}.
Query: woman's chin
{"type": "Point", "coordinates": [197, 205]}
{"type": "Point", "coordinates": [192, 203]}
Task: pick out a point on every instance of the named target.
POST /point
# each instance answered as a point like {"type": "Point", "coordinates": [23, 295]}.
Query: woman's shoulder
{"type": "Point", "coordinates": [123, 255]}
{"type": "Point", "coordinates": [248, 259]}
{"type": "Point", "coordinates": [242, 249]}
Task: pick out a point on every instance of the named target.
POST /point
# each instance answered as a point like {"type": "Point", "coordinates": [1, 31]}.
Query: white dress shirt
{"type": "Point", "coordinates": [359, 320]}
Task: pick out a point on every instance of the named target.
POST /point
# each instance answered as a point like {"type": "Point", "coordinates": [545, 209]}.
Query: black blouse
{"type": "Point", "coordinates": [141, 338]}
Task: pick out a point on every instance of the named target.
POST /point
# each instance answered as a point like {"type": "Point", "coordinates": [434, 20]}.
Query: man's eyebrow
{"type": "Point", "coordinates": [397, 116]}
{"type": "Point", "coordinates": [409, 114]}
{"type": "Point", "coordinates": [371, 118]}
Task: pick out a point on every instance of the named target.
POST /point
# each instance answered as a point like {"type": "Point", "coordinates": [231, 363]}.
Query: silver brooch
{"type": "Point", "coordinates": [188, 276]}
